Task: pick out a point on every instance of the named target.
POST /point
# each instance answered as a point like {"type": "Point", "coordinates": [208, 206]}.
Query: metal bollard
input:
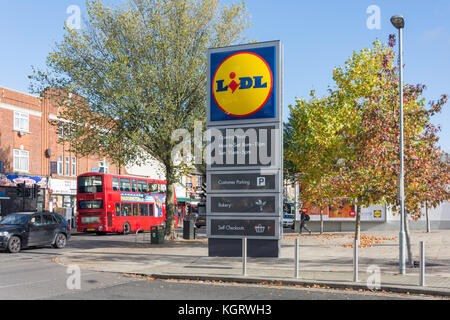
{"type": "Point", "coordinates": [355, 260]}
{"type": "Point", "coordinates": [143, 235]}
{"type": "Point", "coordinates": [296, 257]}
{"type": "Point", "coordinates": [244, 256]}
{"type": "Point", "coordinates": [422, 263]}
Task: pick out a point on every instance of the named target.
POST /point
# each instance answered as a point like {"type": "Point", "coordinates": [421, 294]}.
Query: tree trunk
{"type": "Point", "coordinates": [358, 222]}
{"type": "Point", "coordinates": [428, 217]}
{"type": "Point", "coordinates": [170, 204]}
{"type": "Point", "coordinates": [408, 242]}
{"type": "Point", "coordinates": [321, 220]}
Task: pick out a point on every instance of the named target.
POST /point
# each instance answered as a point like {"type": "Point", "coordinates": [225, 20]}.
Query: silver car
{"type": "Point", "coordinates": [288, 220]}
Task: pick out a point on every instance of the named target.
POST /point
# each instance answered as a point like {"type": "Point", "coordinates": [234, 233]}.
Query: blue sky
{"type": "Point", "coordinates": [317, 37]}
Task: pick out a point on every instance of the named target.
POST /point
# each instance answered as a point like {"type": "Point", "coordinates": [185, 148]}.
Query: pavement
{"type": "Point", "coordinates": [325, 261]}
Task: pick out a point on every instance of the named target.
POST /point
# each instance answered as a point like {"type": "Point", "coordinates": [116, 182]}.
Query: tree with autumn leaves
{"type": "Point", "coordinates": [347, 143]}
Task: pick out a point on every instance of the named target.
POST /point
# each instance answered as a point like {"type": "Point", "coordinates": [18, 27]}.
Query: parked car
{"type": "Point", "coordinates": [288, 220]}
{"type": "Point", "coordinates": [30, 229]}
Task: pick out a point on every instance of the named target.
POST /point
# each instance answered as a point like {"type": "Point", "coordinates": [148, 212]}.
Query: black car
{"type": "Point", "coordinates": [29, 229]}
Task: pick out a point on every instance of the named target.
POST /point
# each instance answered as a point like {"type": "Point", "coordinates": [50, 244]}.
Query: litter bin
{"type": "Point", "coordinates": [188, 229]}
{"type": "Point", "coordinates": [157, 234]}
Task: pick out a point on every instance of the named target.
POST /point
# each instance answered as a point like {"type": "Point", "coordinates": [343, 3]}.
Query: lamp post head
{"type": "Point", "coordinates": [398, 21]}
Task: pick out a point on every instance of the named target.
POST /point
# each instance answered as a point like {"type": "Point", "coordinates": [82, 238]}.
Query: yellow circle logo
{"type": "Point", "coordinates": [242, 84]}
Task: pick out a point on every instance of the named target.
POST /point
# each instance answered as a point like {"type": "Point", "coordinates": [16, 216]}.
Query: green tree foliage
{"type": "Point", "coordinates": [140, 70]}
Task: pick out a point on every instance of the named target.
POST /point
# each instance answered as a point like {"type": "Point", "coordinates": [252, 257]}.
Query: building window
{"type": "Point", "coordinates": [103, 166]}
{"type": "Point", "coordinates": [67, 166]}
{"type": "Point", "coordinates": [21, 121]}
{"type": "Point", "coordinates": [74, 166]}
{"type": "Point", "coordinates": [199, 181]}
{"type": "Point", "coordinates": [60, 165]}
{"type": "Point", "coordinates": [21, 160]}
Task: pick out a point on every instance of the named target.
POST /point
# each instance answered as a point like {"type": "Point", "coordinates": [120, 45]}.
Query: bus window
{"type": "Point", "coordinates": [90, 204]}
{"type": "Point", "coordinates": [117, 209]}
{"type": "Point", "coordinates": [152, 187]}
{"type": "Point", "coordinates": [162, 188]}
{"type": "Point", "coordinates": [142, 186]}
{"type": "Point", "coordinates": [125, 185]}
{"type": "Point", "coordinates": [126, 209]}
{"type": "Point", "coordinates": [134, 186]}
{"type": "Point", "coordinates": [115, 184]}
{"type": "Point", "coordinates": [135, 210]}
{"type": "Point", "coordinates": [151, 210]}
{"type": "Point", "coordinates": [90, 184]}
{"type": "Point", "coordinates": [143, 210]}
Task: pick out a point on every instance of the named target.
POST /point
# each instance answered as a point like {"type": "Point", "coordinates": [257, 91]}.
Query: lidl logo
{"type": "Point", "coordinates": [377, 214]}
{"type": "Point", "coordinates": [242, 84]}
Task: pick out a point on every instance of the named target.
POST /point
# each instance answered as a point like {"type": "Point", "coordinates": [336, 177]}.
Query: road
{"type": "Point", "coordinates": [33, 274]}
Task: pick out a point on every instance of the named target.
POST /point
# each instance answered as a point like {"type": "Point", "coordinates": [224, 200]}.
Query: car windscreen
{"type": "Point", "coordinates": [20, 219]}
{"type": "Point", "coordinates": [90, 184]}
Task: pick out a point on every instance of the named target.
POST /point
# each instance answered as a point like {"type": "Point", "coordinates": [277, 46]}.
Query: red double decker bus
{"type": "Point", "coordinates": [114, 203]}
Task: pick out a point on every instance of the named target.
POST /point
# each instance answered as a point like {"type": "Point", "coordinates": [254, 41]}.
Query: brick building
{"type": "Point", "coordinates": [30, 153]}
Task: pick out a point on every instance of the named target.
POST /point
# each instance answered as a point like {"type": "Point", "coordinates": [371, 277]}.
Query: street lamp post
{"type": "Point", "coordinates": [399, 22]}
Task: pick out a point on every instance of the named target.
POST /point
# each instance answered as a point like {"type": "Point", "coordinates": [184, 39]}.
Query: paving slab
{"type": "Point", "coordinates": [325, 260]}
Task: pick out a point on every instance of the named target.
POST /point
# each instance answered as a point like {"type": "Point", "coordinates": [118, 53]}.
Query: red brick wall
{"type": "Point", "coordinates": [42, 136]}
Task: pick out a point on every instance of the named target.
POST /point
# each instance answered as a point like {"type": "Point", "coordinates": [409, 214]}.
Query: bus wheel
{"type": "Point", "coordinates": [126, 228]}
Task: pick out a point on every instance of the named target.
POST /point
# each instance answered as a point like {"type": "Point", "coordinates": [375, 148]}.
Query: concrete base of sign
{"type": "Point", "coordinates": [256, 248]}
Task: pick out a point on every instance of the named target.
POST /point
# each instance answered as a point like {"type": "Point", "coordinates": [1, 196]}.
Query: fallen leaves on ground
{"type": "Point", "coordinates": [369, 241]}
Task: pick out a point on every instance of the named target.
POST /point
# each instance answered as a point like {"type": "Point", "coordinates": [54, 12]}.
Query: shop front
{"type": "Point", "coordinates": [62, 196]}
{"type": "Point", "coordinates": [15, 199]}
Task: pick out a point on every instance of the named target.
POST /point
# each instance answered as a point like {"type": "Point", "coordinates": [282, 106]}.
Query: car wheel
{"type": "Point", "coordinates": [14, 244]}
{"type": "Point", "coordinates": [126, 228]}
{"type": "Point", "coordinates": [60, 241]}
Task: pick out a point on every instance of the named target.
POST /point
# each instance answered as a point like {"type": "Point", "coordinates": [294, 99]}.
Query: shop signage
{"type": "Point", "coordinates": [238, 228]}
{"type": "Point", "coordinates": [254, 205]}
{"type": "Point", "coordinates": [60, 186]}
{"type": "Point", "coordinates": [225, 181]}
{"type": "Point", "coordinates": [244, 120]}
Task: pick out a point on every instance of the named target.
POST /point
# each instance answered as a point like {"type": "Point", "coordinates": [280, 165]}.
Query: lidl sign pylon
{"type": "Point", "coordinates": [244, 109]}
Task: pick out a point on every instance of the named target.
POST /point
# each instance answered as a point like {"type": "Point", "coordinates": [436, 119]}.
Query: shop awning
{"type": "Point", "coordinates": [183, 200]}
{"type": "Point", "coordinates": [3, 196]}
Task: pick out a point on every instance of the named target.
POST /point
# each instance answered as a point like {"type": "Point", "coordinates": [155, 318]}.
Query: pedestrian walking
{"type": "Point", "coordinates": [304, 218]}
